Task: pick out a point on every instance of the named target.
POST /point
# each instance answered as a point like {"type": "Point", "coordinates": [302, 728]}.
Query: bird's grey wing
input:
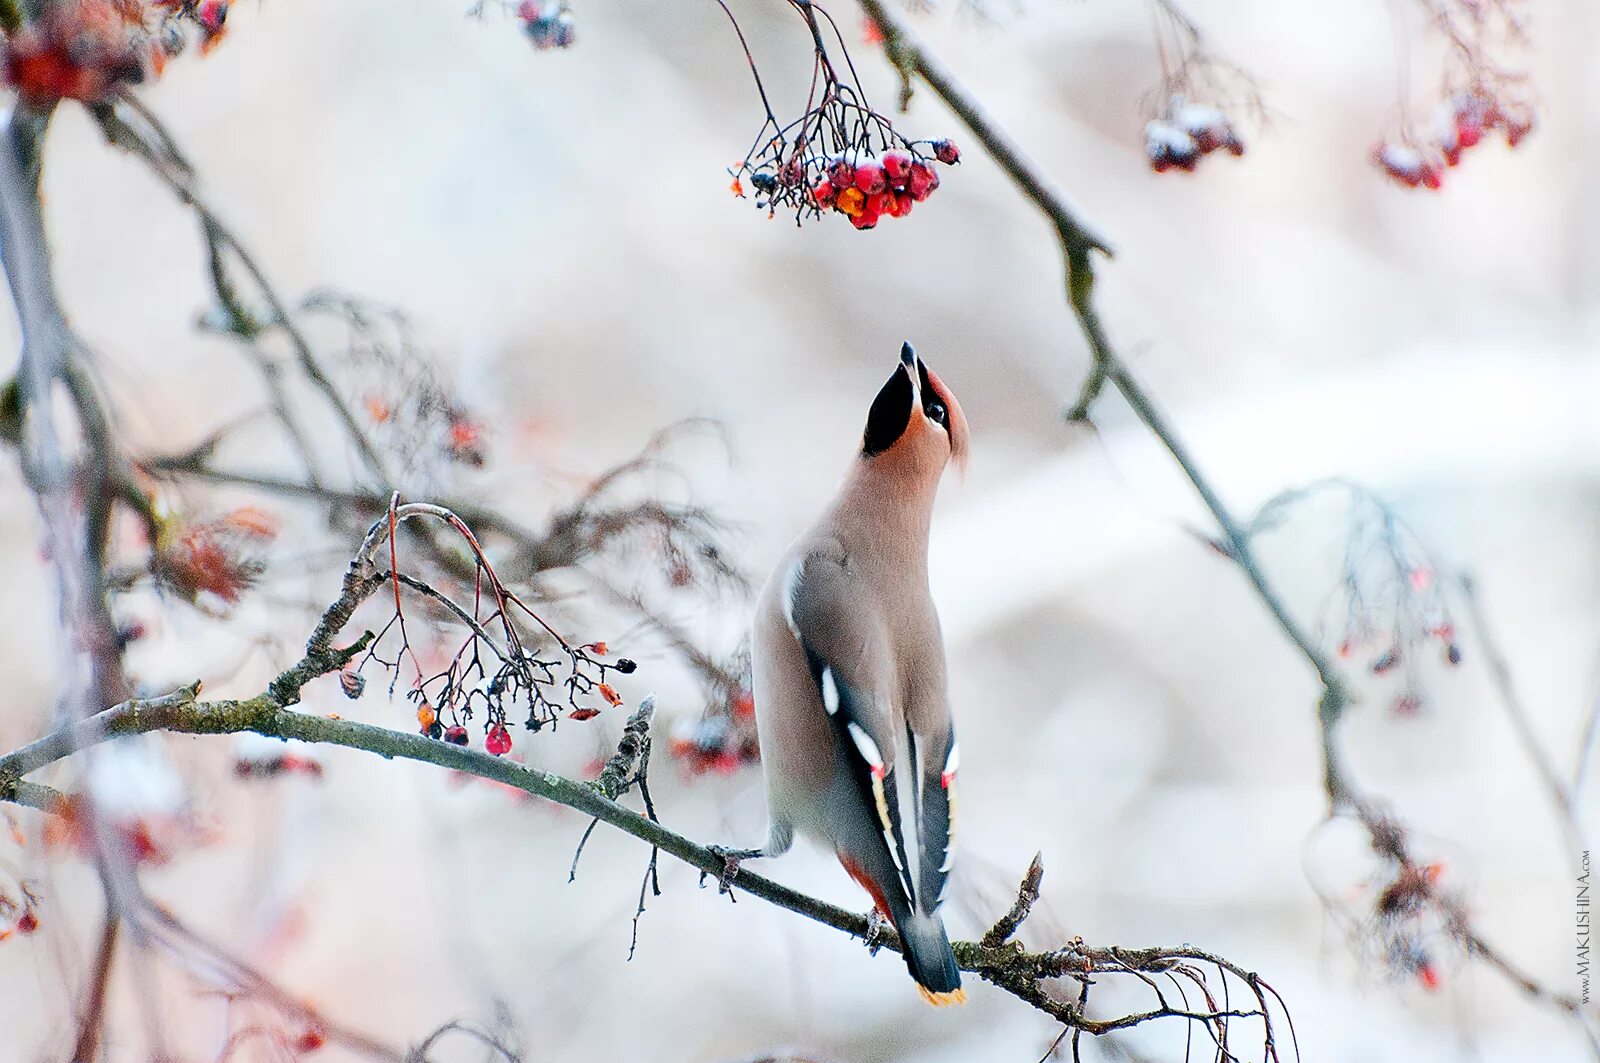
{"type": "Point", "coordinates": [934, 759]}
{"type": "Point", "coordinates": [846, 649]}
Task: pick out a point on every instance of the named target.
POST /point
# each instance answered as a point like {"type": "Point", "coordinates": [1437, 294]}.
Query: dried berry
{"type": "Point", "coordinates": [352, 682]}
{"type": "Point", "coordinates": [583, 714]}
{"type": "Point", "coordinates": [946, 152]}
{"type": "Point", "coordinates": [625, 666]}
{"type": "Point", "coordinates": [456, 735]}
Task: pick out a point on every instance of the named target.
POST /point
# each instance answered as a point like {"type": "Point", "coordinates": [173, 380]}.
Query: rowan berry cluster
{"type": "Point", "coordinates": [861, 185]}
{"type": "Point", "coordinates": [83, 50]}
{"type": "Point", "coordinates": [547, 24]}
{"type": "Point", "coordinates": [1185, 133]}
{"type": "Point", "coordinates": [212, 563]}
{"type": "Point", "coordinates": [722, 740]}
{"type": "Point", "coordinates": [1460, 123]}
{"type": "Point", "coordinates": [866, 190]}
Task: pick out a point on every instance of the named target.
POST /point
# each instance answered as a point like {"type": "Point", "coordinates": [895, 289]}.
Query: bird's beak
{"type": "Point", "coordinates": [908, 362]}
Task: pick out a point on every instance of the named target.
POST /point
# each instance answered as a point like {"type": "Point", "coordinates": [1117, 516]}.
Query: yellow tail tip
{"type": "Point", "coordinates": [943, 1000]}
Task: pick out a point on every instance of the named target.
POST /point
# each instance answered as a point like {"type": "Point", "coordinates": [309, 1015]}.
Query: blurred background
{"type": "Point", "coordinates": [559, 228]}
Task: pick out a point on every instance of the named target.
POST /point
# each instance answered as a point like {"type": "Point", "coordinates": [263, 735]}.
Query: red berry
{"type": "Point", "coordinates": [28, 923]}
{"type": "Point", "coordinates": [946, 152]}
{"type": "Point", "coordinates": [212, 14]}
{"type": "Point", "coordinates": [903, 202]}
{"type": "Point", "coordinates": [822, 192]}
{"type": "Point", "coordinates": [456, 735]}
{"type": "Point", "coordinates": [1432, 177]}
{"type": "Point", "coordinates": [498, 740]}
{"type": "Point", "coordinates": [922, 181]}
{"type": "Point", "coordinates": [842, 174]}
{"type": "Point", "coordinates": [583, 714]}
{"type": "Point", "coordinates": [870, 178]}
{"type": "Point", "coordinates": [896, 167]}
{"type": "Point", "coordinates": [865, 220]}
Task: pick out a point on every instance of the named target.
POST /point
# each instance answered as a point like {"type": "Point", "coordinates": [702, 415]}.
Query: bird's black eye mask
{"type": "Point", "coordinates": [889, 416]}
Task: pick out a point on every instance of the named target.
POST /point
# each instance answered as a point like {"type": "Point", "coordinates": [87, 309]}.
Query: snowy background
{"type": "Point", "coordinates": [559, 226]}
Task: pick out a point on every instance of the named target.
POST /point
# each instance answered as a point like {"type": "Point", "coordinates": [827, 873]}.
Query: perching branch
{"type": "Point", "coordinates": [1024, 974]}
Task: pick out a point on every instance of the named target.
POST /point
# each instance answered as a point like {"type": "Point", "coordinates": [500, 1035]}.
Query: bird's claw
{"type": "Point", "coordinates": [731, 859]}
{"type": "Point", "coordinates": [875, 924]}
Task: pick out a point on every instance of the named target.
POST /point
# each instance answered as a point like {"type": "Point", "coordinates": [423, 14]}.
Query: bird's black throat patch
{"type": "Point", "coordinates": [890, 414]}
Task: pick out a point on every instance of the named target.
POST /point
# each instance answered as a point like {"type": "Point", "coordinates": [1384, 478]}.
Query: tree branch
{"type": "Point", "coordinates": [1078, 242]}
{"type": "Point", "coordinates": [1009, 966]}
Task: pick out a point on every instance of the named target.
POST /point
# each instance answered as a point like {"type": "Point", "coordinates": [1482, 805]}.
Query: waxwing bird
{"type": "Point", "coordinates": [857, 742]}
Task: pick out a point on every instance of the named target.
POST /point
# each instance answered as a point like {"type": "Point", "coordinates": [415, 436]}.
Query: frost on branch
{"type": "Point", "coordinates": [840, 156]}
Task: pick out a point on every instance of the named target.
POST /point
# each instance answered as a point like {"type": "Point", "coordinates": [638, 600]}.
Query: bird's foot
{"type": "Point", "coordinates": [731, 859]}
{"type": "Point", "coordinates": [875, 924]}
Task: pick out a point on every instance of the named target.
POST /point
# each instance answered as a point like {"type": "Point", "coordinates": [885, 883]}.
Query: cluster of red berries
{"type": "Point", "coordinates": [214, 562]}
{"type": "Point", "coordinates": [721, 741]}
{"type": "Point", "coordinates": [83, 50]}
{"type": "Point", "coordinates": [1404, 919]}
{"type": "Point", "coordinates": [1186, 133]}
{"type": "Point", "coordinates": [1460, 122]}
{"type": "Point", "coordinates": [548, 25]}
{"type": "Point", "coordinates": [866, 190]}
{"type": "Point", "coordinates": [1434, 623]}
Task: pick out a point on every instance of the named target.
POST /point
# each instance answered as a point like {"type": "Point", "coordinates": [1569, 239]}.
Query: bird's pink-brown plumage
{"type": "Point", "coordinates": [854, 719]}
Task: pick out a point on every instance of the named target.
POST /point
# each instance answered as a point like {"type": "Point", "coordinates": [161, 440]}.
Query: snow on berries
{"type": "Point", "coordinates": [840, 155]}
{"type": "Point", "coordinates": [498, 740]}
{"type": "Point", "coordinates": [1459, 123]}
{"type": "Point", "coordinates": [1186, 132]}
{"type": "Point", "coordinates": [863, 186]}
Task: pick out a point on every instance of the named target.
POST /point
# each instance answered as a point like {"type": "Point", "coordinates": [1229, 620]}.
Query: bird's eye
{"type": "Point", "coordinates": [936, 412]}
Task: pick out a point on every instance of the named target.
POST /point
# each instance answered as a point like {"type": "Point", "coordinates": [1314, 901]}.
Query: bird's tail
{"type": "Point", "coordinates": [931, 960]}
